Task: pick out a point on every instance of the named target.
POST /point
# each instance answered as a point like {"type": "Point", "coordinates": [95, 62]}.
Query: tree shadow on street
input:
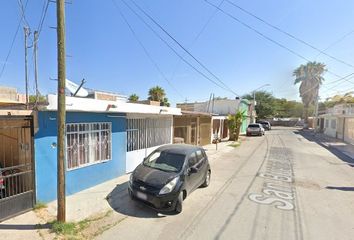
{"type": "Point", "coordinates": [120, 201]}
{"type": "Point", "coordinates": [334, 150]}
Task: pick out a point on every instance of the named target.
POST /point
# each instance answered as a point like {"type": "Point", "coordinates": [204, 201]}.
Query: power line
{"type": "Point", "coordinates": [289, 34]}
{"type": "Point", "coordinates": [23, 12]}
{"type": "Point", "coordinates": [268, 38]}
{"type": "Point", "coordinates": [144, 48]}
{"type": "Point", "coordinates": [43, 16]}
{"type": "Point", "coordinates": [258, 32]}
{"type": "Point", "coordinates": [13, 41]}
{"type": "Point", "coordinates": [336, 42]}
{"type": "Point", "coordinates": [317, 85]}
{"type": "Point", "coordinates": [339, 83]}
{"type": "Point", "coordinates": [172, 49]}
{"type": "Point", "coordinates": [199, 34]}
{"type": "Point", "coordinates": [181, 46]}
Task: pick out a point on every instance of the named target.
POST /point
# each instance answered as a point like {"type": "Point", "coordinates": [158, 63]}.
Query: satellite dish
{"type": "Point", "coordinates": [75, 89]}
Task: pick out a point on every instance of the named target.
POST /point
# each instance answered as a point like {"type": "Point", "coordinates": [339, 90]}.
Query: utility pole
{"type": "Point", "coordinates": [26, 30]}
{"type": "Point", "coordinates": [316, 110]}
{"type": "Point", "coordinates": [61, 110]}
{"type": "Point", "coordinates": [35, 65]}
{"type": "Point", "coordinates": [254, 107]}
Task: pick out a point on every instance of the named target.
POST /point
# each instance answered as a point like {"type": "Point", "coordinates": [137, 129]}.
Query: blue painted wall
{"type": "Point", "coordinates": [81, 178]}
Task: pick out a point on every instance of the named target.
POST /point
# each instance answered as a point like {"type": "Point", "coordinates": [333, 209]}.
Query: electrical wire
{"type": "Point", "coordinates": [23, 13]}
{"type": "Point", "coordinates": [43, 16]}
{"type": "Point", "coordinates": [199, 34]}
{"type": "Point", "coordinates": [145, 50]}
{"type": "Point", "coordinates": [289, 34]}
{"type": "Point", "coordinates": [182, 47]}
{"type": "Point", "coordinates": [336, 42]}
{"type": "Point", "coordinates": [258, 32]}
{"type": "Point", "coordinates": [13, 41]}
{"type": "Point", "coordinates": [172, 49]}
{"type": "Point", "coordinates": [269, 39]}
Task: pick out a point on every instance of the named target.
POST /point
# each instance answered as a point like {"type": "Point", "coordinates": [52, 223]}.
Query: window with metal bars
{"type": "Point", "coordinates": [88, 143]}
{"type": "Point", "coordinates": [148, 132]}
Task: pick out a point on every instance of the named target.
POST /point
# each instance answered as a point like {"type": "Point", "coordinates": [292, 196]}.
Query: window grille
{"type": "Point", "coordinates": [88, 143]}
{"type": "Point", "coordinates": [148, 132]}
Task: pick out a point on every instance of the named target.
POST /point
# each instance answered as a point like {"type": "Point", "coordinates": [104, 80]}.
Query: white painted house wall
{"type": "Point", "coordinates": [220, 107]}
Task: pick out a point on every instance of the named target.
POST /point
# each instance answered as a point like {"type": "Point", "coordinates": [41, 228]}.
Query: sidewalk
{"type": "Point", "coordinates": [100, 199]}
{"type": "Point", "coordinates": [333, 143]}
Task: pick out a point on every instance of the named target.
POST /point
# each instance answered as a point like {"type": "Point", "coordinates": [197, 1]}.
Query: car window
{"type": "Point", "coordinates": [254, 126]}
{"type": "Point", "coordinates": [192, 160]}
{"type": "Point", "coordinates": [165, 161]}
{"type": "Point", "coordinates": [199, 155]}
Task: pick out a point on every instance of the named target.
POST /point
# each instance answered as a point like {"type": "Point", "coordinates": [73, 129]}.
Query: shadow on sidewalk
{"type": "Point", "coordinates": [347, 189]}
{"type": "Point", "coordinates": [120, 201]}
{"type": "Point", "coordinates": [334, 150]}
{"type": "Point", "coordinates": [24, 226]}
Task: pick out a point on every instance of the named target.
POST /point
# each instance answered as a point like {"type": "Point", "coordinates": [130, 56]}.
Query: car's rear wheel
{"type": "Point", "coordinates": [179, 203]}
{"type": "Point", "coordinates": [207, 179]}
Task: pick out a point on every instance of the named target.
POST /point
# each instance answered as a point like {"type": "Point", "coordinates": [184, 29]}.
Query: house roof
{"type": "Point", "coordinates": [196, 113]}
{"type": "Point", "coordinates": [75, 104]}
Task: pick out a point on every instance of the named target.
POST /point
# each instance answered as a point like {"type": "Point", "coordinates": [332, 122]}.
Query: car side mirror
{"type": "Point", "coordinates": [193, 170]}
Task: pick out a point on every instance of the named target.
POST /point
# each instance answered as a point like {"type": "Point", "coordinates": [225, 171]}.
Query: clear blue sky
{"type": "Point", "coordinates": [106, 54]}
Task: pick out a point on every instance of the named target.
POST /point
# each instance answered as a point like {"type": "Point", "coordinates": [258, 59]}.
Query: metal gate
{"type": "Point", "coordinates": [16, 166]}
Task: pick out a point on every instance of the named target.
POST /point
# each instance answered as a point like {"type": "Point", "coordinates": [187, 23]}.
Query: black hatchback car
{"type": "Point", "coordinates": [168, 175]}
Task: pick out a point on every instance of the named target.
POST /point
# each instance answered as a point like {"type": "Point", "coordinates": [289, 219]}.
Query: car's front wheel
{"type": "Point", "coordinates": [131, 195]}
{"type": "Point", "coordinates": [179, 203]}
{"type": "Point", "coordinates": [207, 179]}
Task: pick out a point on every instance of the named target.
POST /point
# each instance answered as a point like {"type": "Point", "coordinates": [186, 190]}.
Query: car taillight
{"type": "Point", "coordinates": [1, 181]}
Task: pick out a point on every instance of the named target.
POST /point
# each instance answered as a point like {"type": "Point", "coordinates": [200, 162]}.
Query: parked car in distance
{"type": "Point", "coordinates": [266, 125]}
{"type": "Point", "coordinates": [255, 129]}
{"type": "Point", "coordinates": [168, 175]}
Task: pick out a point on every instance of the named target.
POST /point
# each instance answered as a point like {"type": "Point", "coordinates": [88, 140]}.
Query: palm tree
{"type": "Point", "coordinates": [310, 76]}
{"type": "Point", "coordinates": [156, 94]}
{"type": "Point", "coordinates": [234, 123]}
{"type": "Point", "coordinates": [133, 98]}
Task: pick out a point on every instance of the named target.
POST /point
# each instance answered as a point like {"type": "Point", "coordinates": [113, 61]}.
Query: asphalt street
{"type": "Point", "coordinates": [280, 186]}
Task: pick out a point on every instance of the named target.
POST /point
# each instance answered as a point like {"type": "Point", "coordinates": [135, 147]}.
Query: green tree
{"type": "Point", "coordinates": [158, 94]}
{"type": "Point", "coordinates": [310, 77]}
{"type": "Point", "coordinates": [133, 98]}
{"type": "Point", "coordinates": [339, 99]}
{"type": "Point", "coordinates": [234, 123]}
{"type": "Point", "coordinates": [265, 103]}
{"type": "Point", "coordinates": [33, 98]}
{"type": "Point", "coordinates": [165, 102]}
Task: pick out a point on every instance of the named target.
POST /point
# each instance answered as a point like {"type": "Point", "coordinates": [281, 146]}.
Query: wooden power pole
{"type": "Point", "coordinates": [61, 110]}
{"type": "Point", "coordinates": [26, 29]}
{"type": "Point", "coordinates": [35, 49]}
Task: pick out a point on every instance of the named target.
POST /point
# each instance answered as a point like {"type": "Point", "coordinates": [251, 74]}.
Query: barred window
{"type": "Point", "coordinates": [148, 132]}
{"type": "Point", "coordinates": [88, 143]}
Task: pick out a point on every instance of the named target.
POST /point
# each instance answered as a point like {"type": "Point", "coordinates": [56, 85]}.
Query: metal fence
{"type": "Point", "coordinates": [16, 166]}
{"type": "Point", "coordinates": [148, 132]}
